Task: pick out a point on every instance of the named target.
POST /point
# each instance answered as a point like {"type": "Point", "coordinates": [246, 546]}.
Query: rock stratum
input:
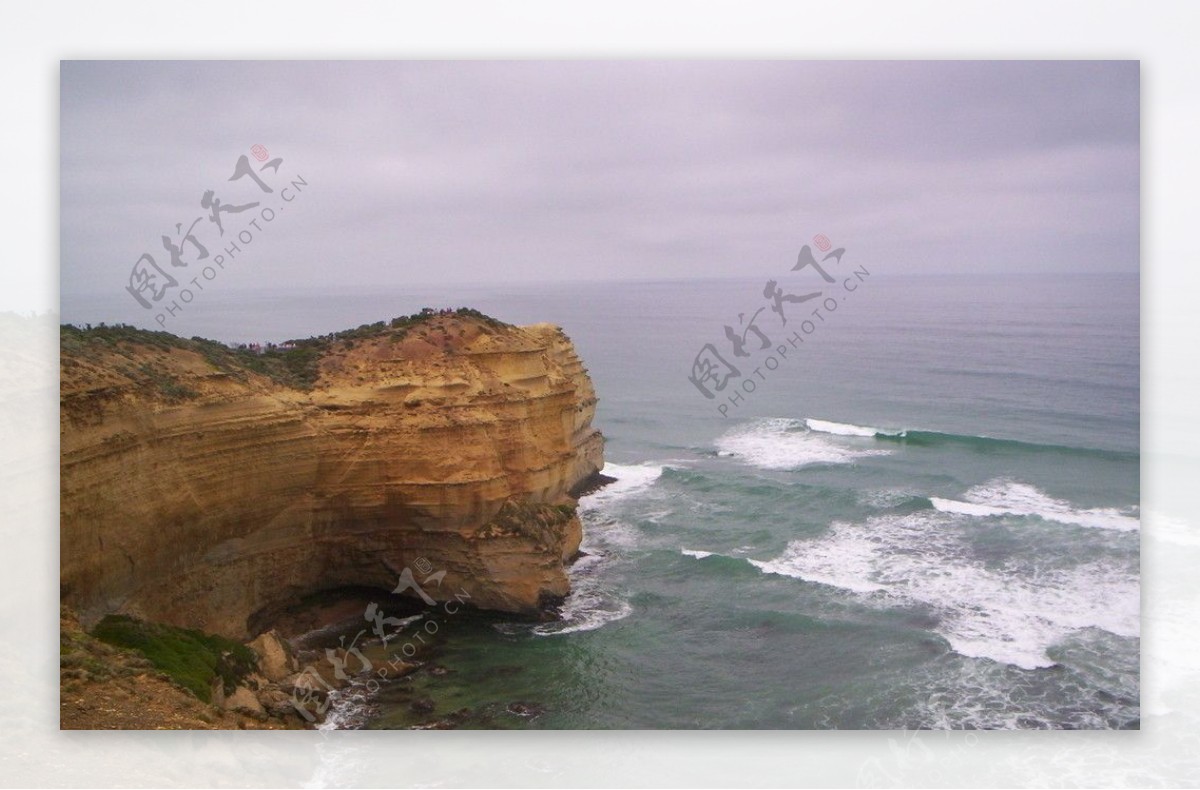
{"type": "Point", "coordinates": [206, 488]}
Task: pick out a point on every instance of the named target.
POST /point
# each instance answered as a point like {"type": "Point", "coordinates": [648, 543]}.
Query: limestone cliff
{"type": "Point", "coordinates": [198, 492]}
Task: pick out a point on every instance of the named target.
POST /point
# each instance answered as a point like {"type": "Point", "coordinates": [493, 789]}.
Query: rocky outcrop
{"type": "Point", "coordinates": [276, 660]}
{"type": "Point", "coordinates": [198, 492]}
{"type": "Point", "coordinates": [106, 687]}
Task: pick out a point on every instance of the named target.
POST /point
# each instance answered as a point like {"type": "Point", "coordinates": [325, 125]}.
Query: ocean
{"type": "Point", "coordinates": [924, 513]}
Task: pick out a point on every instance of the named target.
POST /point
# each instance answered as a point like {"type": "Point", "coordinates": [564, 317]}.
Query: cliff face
{"type": "Point", "coordinates": [210, 496]}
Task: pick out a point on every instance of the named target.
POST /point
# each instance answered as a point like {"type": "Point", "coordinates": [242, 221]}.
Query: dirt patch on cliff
{"type": "Point", "coordinates": [103, 687]}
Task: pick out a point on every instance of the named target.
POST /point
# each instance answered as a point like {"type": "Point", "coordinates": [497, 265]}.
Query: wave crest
{"type": "Point", "coordinates": [1010, 615]}
{"type": "Point", "coordinates": [1009, 497]}
{"type": "Point", "coordinates": [783, 443]}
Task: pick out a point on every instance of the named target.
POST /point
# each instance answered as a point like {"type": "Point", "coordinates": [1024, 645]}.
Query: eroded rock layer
{"type": "Point", "coordinates": [206, 495]}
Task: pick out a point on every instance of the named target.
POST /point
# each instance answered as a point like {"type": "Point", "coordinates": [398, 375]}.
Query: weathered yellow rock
{"type": "Point", "coordinates": [217, 507]}
{"type": "Point", "coordinates": [275, 659]}
{"type": "Point", "coordinates": [243, 700]}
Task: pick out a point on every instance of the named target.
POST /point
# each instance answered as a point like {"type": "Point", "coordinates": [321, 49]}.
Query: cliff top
{"type": "Point", "coordinates": [162, 365]}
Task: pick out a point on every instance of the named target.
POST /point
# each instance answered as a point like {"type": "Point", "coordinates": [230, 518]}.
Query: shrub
{"type": "Point", "coordinates": [295, 363]}
{"type": "Point", "coordinates": [189, 657]}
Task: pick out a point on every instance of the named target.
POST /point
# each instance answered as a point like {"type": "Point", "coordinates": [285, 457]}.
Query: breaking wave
{"type": "Point", "coordinates": [1008, 614]}
{"type": "Point", "coordinates": [1008, 497]}
{"type": "Point", "coordinates": [783, 443]}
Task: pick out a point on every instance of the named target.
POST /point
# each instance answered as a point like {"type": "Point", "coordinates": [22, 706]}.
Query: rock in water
{"type": "Point", "coordinates": [424, 705]}
{"type": "Point", "coordinates": [526, 709]}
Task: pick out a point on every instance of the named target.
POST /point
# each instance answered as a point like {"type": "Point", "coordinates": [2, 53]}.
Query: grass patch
{"type": "Point", "coordinates": [189, 657]}
{"type": "Point", "coordinates": [168, 386]}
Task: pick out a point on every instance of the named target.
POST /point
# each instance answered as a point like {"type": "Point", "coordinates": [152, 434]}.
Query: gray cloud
{"type": "Point", "coordinates": [483, 171]}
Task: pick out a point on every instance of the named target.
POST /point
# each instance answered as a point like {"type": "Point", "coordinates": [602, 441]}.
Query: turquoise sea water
{"type": "Point", "coordinates": [924, 515]}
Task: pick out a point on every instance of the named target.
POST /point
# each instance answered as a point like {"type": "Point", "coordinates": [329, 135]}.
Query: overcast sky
{"type": "Point", "coordinates": [482, 171]}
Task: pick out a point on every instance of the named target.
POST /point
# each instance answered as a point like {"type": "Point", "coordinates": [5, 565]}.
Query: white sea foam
{"type": "Point", "coordinates": [838, 428]}
{"type": "Point", "coordinates": [584, 615]}
{"type": "Point", "coordinates": [656, 516]}
{"type": "Point", "coordinates": [349, 708]}
{"type": "Point", "coordinates": [1008, 497]}
{"type": "Point", "coordinates": [882, 498]}
{"type": "Point", "coordinates": [847, 563]}
{"type": "Point", "coordinates": [630, 479]}
{"type": "Point", "coordinates": [590, 605]}
{"type": "Point", "coordinates": [787, 444]}
{"type": "Point", "coordinates": [695, 553]}
{"type": "Point", "coordinates": [1011, 615]}
{"type": "Point", "coordinates": [976, 696]}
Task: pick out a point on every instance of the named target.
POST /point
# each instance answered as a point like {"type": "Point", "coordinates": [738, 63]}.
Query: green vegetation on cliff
{"type": "Point", "coordinates": [293, 363]}
{"type": "Point", "coordinates": [191, 658]}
